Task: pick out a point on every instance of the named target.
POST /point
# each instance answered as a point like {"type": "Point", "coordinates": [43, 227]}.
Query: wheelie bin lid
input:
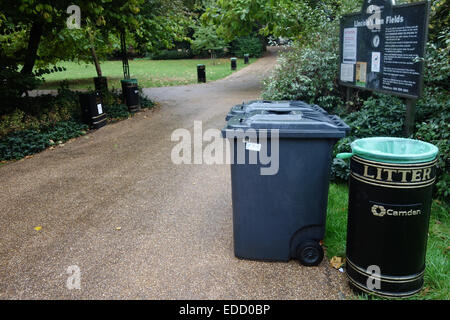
{"type": "Point", "coordinates": [247, 107]}
{"type": "Point", "coordinates": [394, 150]}
{"type": "Point", "coordinates": [291, 124]}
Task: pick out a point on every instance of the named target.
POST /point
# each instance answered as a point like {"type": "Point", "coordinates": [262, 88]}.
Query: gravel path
{"type": "Point", "coordinates": [137, 226]}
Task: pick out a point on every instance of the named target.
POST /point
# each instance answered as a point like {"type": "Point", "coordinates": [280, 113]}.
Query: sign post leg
{"type": "Point", "coordinates": [348, 93]}
{"type": "Point", "coordinates": [410, 117]}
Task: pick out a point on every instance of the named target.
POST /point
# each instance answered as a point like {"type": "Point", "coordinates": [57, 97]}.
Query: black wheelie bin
{"type": "Point", "coordinates": [279, 204]}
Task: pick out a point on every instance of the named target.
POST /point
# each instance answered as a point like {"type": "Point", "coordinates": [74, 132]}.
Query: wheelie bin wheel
{"type": "Point", "coordinates": [310, 253]}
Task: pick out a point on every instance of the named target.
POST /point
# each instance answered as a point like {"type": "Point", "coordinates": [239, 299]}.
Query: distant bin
{"type": "Point", "coordinates": [246, 58]}
{"type": "Point", "coordinates": [390, 192]}
{"type": "Point", "coordinates": [92, 109]}
{"type": "Point", "coordinates": [130, 93]}
{"type": "Point", "coordinates": [201, 73]}
{"type": "Point", "coordinates": [233, 63]}
{"type": "Point", "coordinates": [282, 216]}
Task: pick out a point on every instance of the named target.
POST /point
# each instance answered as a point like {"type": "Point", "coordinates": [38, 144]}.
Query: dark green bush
{"type": "Point", "coordinates": [116, 111]}
{"type": "Point", "coordinates": [27, 142]}
{"type": "Point", "coordinates": [433, 125]}
{"type": "Point", "coordinates": [380, 115]}
{"type": "Point", "coordinates": [247, 45]}
{"type": "Point", "coordinates": [171, 55]}
{"type": "Point", "coordinates": [308, 72]}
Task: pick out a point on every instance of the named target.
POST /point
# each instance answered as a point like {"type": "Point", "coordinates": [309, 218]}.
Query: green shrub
{"type": "Point", "coordinates": [308, 72]}
{"type": "Point", "coordinates": [171, 55]}
{"type": "Point", "coordinates": [436, 130]}
{"type": "Point", "coordinates": [116, 111]}
{"type": "Point", "coordinates": [380, 115]}
{"type": "Point", "coordinates": [247, 45]}
{"type": "Point", "coordinates": [27, 142]}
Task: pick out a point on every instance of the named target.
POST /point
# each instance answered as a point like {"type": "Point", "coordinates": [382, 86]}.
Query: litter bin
{"type": "Point", "coordinates": [246, 58]}
{"type": "Point", "coordinates": [233, 63]}
{"type": "Point", "coordinates": [92, 109]}
{"type": "Point", "coordinates": [201, 73]}
{"type": "Point", "coordinates": [390, 192]}
{"type": "Point", "coordinates": [130, 92]}
{"type": "Point", "coordinates": [281, 215]}
{"type": "Point", "coordinates": [274, 106]}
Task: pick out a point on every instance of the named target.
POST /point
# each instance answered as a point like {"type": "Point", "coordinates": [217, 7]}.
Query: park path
{"type": "Point", "coordinates": [136, 225]}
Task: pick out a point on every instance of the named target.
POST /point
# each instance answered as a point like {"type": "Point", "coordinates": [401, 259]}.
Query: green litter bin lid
{"type": "Point", "coordinates": [394, 150]}
{"type": "Point", "coordinates": [129, 80]}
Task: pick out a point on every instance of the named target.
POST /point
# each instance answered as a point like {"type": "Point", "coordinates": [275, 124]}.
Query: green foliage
{"type": "Point", "coordinates": [247, 45]}
{"type": "Point", "coordinates": [116, 111]}
{"type": "Point", "coordinates": [308, 72]}
{"type": "Point", "coordinates": [171, 55]}
{"type": "Point", "coordinates": [380, 115]}
{"type": "Point", "coordinates": [282, 18]}
{"type": "Point", "coordinates": [27, 142]}
{"type": "Point", "coordinates": [206, 39]}
{"type": "Point", "coordinates": [435, 128]}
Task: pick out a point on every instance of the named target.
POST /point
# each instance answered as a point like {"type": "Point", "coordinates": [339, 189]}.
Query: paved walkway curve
{"type": "Point", "coordinates": [175, 237]}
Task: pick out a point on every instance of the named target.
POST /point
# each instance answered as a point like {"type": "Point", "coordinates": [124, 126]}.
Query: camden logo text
{"type": "Point", "coordinates": [381, 210]}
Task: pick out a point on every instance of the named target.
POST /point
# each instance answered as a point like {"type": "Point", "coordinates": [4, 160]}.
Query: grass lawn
{"type": "Point", "coordinates": [150, 73]}
{"type": "Point", "coordinates": [437, 273]}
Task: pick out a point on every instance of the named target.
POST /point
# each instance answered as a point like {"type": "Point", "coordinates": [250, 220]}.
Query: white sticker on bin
{"type": "Point", "coordinates": [253, 146]}
{"type": "Point", "coordinates": [99, 108]}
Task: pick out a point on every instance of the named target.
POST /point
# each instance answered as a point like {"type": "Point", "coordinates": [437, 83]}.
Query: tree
{"type": "Point", "coordinates": [206, 39]}
{"type": "Point", "coordinates": [47, 40]}
{"type": "Point", "coordinates": [292, 19]}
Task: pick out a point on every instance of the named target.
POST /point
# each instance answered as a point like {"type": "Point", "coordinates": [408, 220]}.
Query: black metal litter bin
{"type": "Point", "coordinates": [282, 215]}
{"type": "Point", "coordinates": [390, 191]}
{"type": "Point", "coordinates": [233, 63]}
{"type": "Point", "coordinates": [92, 109]}
{"type": "Point", "coordinates": [201, 73]}
{"type": "Point", "coordinates": [246, 58]}
{"type": "Point", "coordinates": [130, 93]}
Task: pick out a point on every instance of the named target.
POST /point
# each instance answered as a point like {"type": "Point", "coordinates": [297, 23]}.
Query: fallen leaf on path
{"type": "Point", "coordinates": [118, 228]}
{"type": "Point", "coordinates": [337, 262]}
{"type": "Point", "coordinates": [38, 228]}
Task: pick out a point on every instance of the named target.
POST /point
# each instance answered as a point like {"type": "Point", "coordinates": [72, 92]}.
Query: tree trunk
{"type": "Point", "coordinates": [33, 45]}
{"type": "Point", "coordinates": [96, 62]}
